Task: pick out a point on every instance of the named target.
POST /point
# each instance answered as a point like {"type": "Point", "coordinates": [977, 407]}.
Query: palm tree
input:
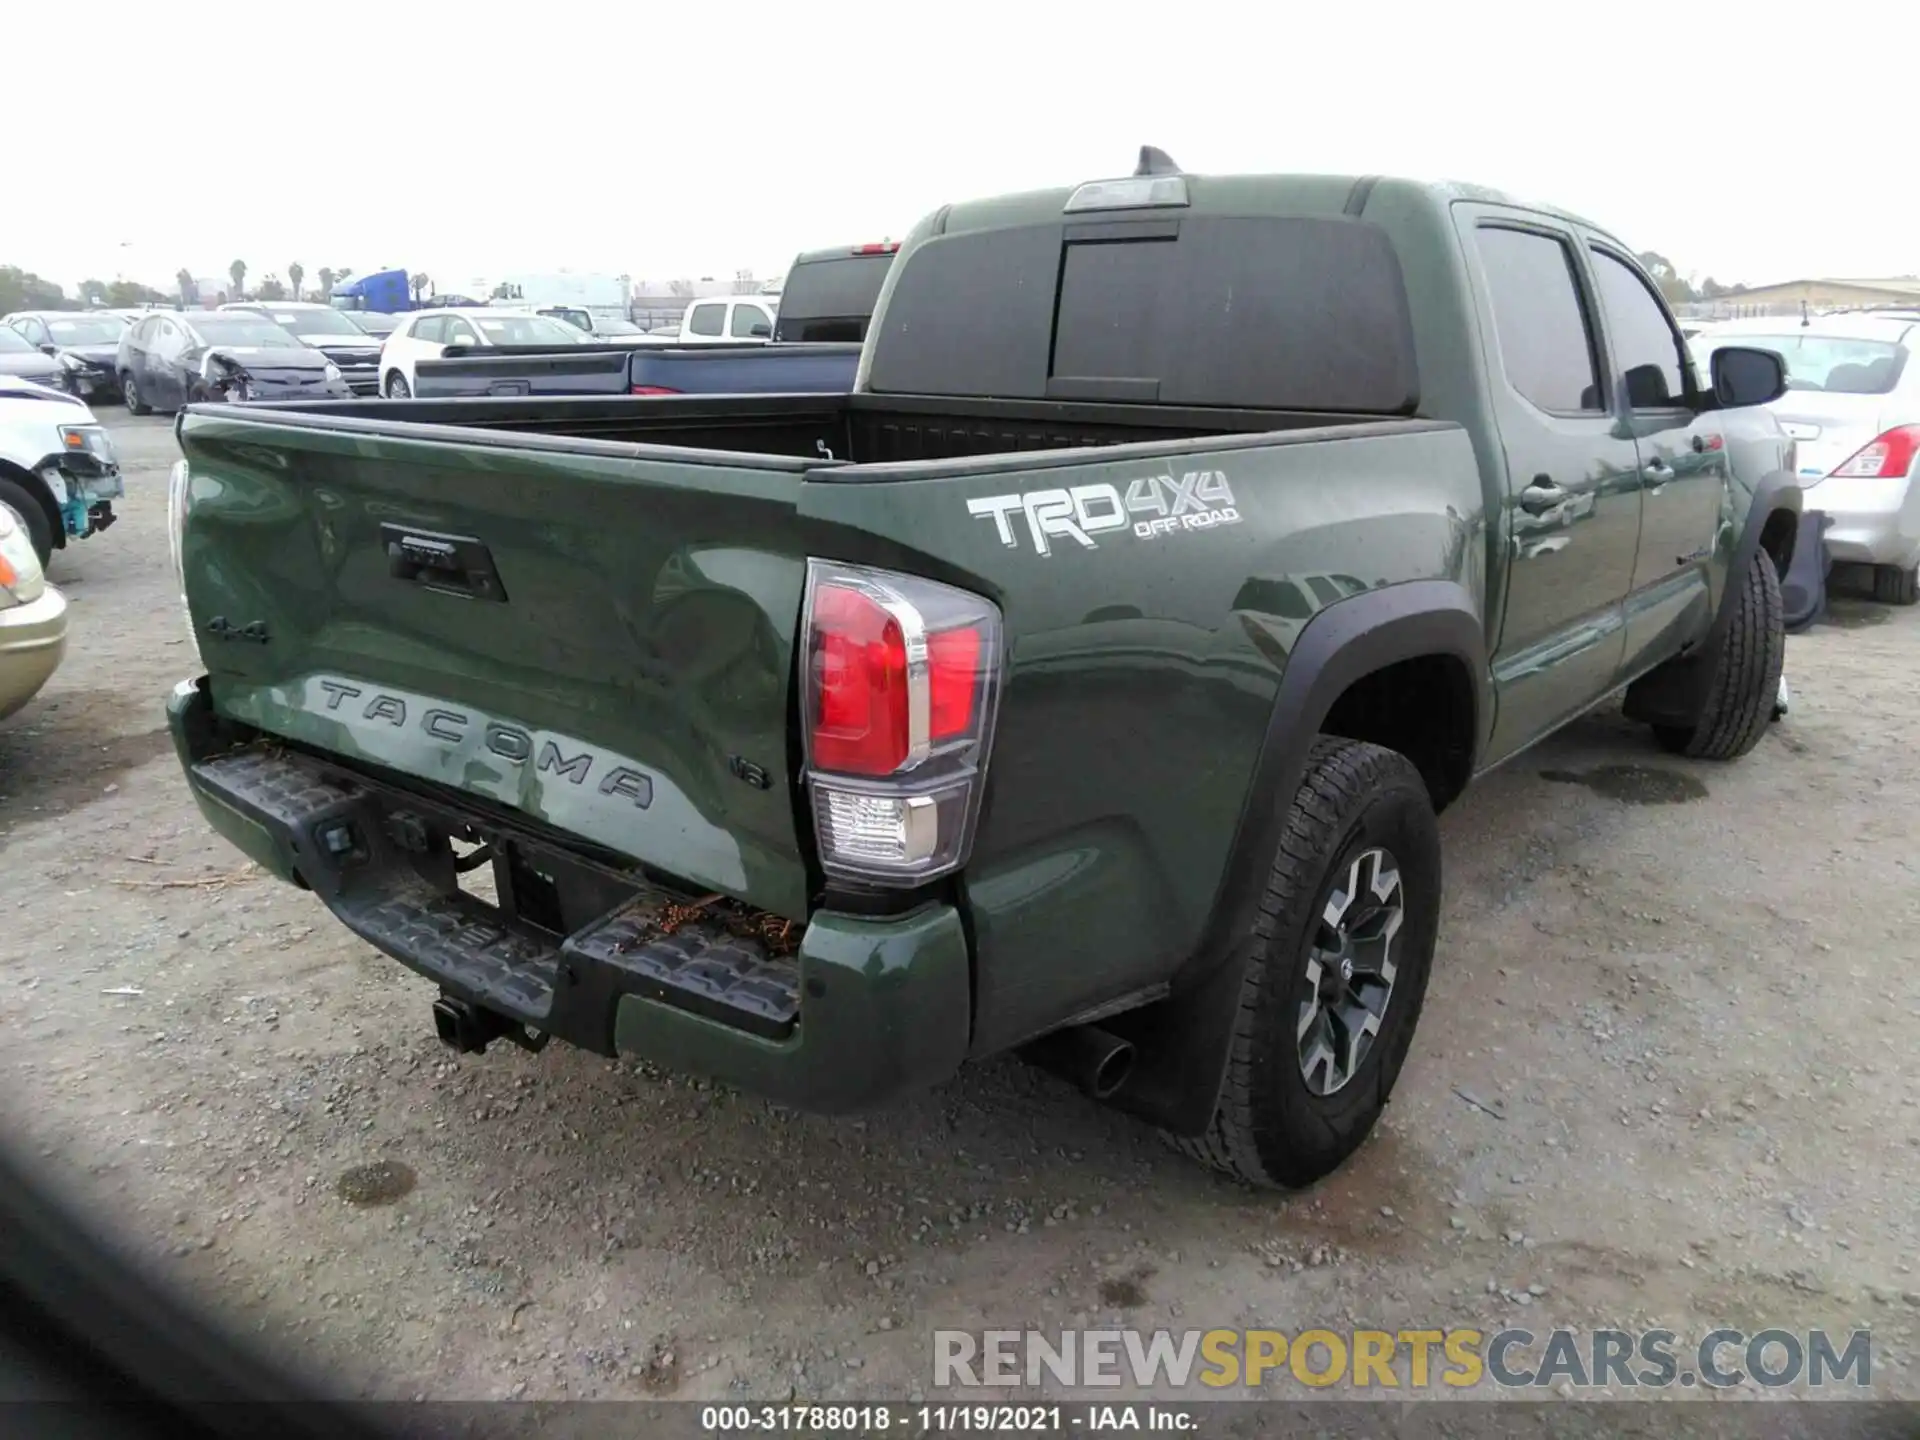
{"type": "Point", "coordinates": [189, 292]}
{"type": "Point", "coordinates": [326, 282]}
{"type": "Point", "coordinates": [296, 272]}
{"type": "Point", "coordinates": [419, 282]}
{"type": "Point", "coordinates": [238, 272]}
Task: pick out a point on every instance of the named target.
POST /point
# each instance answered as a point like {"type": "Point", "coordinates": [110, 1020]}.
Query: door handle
{"type": "Point", "coordinates": [1541, 496]}
{"type": "Point", "coordinates": [1659, 472]}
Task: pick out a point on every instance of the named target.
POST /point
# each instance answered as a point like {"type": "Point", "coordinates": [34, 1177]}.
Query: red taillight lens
{"type": "Point", "coordinates": [652, 390]}
{"type": "Point", "coordinates": [901, 682]}
{"type": "Point", "coordinates": [1888, 454]}
{"type": "Point", "coordinates": [860, 720]}
{"type": "Point", "coordinates": [887, 249]}
{"type": "Point", "coordinates": [953, 677]}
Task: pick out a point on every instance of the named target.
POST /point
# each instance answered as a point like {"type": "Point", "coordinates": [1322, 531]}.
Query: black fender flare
{"type": "Point", "coordinates": [1778, 491]}
{"type": "Point", "coordinates": [1182, 1042]}
{"type": "Point", "coordinates": [37, 488]}
{"type": "Point", "coordinates": [1676, 692]}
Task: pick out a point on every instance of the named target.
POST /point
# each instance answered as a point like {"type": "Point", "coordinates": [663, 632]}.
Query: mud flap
{"type": "Point", "coordinates": [1803, 589]}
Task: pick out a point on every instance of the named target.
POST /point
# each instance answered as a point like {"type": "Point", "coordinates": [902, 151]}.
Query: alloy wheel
{"type": "Point", "coordinates": [1350, 971]}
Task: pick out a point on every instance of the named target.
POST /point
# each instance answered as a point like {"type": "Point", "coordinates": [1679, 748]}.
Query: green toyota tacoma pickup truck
{"type": "Point", "coordinates": [1085, 683]}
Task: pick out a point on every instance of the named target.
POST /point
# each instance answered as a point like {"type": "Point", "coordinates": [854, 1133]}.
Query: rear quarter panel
{"type": "Point", "coordinates": [1143, 671]}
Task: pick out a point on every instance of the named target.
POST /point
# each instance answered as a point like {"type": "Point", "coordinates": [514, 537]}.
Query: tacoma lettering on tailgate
{"type": "Point", "coordinates": [456, 726]}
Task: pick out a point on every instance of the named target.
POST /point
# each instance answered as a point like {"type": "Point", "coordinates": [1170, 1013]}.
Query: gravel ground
{"type": "Point", "coordinates": [1666, 1075]}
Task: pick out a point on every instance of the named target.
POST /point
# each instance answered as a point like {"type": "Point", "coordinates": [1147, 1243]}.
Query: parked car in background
{"type": "Point", "coordinates": [22, 359]}
{"type": "Point", "coordinates": [426, 334]}
{"type": "Point", "coordinates": [33, 616]}
{"type": "Point", "coordinates": [170, 360]}
{"type": "Point", "coordinates": [374, 322]}
{"type": "Point", "coordinates": [604, 296]}
{"type": "Point", "coordinates": [830, 294]}
{"type": "Point", "coordinates": [609, 328]}
{"type": "Point", "coordinates": [58, 470]}
{"type": "Point", "coordinates": [82, 345]}
{"type": "Point", "coordinates": [728, 318]}
{"type": "Point", "coordinates": [1852, 408]}
{"type": "Point", "coordinates": [329, 331]}
{"type": "Point", "coordinates": [615, 368]}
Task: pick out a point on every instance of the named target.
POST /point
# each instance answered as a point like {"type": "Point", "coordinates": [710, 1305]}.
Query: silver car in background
{"type": "Point", "coordinates": [1852, 408]}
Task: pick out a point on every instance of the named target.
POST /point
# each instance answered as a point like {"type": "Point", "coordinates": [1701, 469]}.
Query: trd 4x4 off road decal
{"type": "Point", "coordinates": [1154, 505]}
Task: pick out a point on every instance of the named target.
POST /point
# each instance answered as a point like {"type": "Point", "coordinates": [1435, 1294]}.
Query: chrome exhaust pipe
{"type": "Point", "coordinates": [1094, 1059]}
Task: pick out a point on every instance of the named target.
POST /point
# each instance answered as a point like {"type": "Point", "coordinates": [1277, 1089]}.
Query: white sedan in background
{"type": "Point", "coordinates": [1852, 408]}
{"type": "Point", "coordinates": [426, 334]}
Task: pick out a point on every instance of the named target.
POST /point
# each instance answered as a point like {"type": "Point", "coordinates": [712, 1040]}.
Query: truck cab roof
{"type": "Point", "coordinates": [1276, 194]}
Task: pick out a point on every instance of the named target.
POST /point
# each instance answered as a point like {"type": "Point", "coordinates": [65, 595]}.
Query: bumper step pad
{"type": "Point", "coordinates": [700, 967]}
{"type": "Point", "coordinates": [567, 986]}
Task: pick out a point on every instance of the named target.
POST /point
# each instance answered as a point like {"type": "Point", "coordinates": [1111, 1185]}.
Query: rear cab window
{"type": "Point", "coordinates": [707, 319]}
{"type": "Point", "coordinates": [1546, 345]}
{"type": "Point", "coordinates": [747, 319]}
{"type": "Point", "coordinates": [831, 299]}
{"type": "Point", "coordinates": [1251, 312]}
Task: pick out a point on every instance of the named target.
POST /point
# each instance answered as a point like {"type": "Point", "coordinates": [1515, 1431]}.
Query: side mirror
{"type": "Point", "coordinates": [761, 332]}
{"type": "Point", "coordinates": [49, 349]}
{"type": "Point", "coordinates": [1745, 376]}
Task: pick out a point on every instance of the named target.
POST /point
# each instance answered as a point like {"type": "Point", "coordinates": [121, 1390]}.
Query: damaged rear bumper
{"type": "Point", "coordinates": [583, 948]}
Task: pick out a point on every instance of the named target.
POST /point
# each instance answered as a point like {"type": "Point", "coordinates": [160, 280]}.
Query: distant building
{"type": "Point", "coordinates": [1789, 296]}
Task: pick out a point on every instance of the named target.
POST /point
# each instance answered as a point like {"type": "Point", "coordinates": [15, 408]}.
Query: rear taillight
{"type": "Point", "coordinates": [1889, 454]}
{"type": "Point", "coordinates": [652, 390]}
{"type": "Point", "coordinates": [179, 503]}
{"type": "Point", "coordinates": [900, 688]}
{"type": "Point", "coordinates": [889, 248]}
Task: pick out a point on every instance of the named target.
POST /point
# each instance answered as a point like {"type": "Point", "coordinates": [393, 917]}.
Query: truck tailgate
{"type": "Point", "coordinates": [520, 370]}
{"type": "Point", "coordinates": [600, 641]}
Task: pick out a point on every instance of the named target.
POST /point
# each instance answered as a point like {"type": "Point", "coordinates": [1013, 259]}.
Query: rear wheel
{"type": "Point", "coordinates": [397, 387]}
{"type": "Point", "coordinates": [1894, 586]}
{"type": "Point", "coordinates": [130, 392]}
{"type": "Point", "coordinates": [1746, 677]}
{"type": "Point", "coordinates": [1336, 970]}
{"type": "Point", "coordinates": [32, 514]}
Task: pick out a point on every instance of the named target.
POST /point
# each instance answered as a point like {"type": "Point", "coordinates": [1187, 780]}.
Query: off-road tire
{"type": "Point", "coordinates": [1746, 676]}
{"type": "Point", "coordinates": [1894, 586]}
{"type": "Point", "coordinates": [32, 514]}
{"type": "Point", "coordinates": [1268, 1128]}
{"type": "Point", "coordinates": [130, 392]}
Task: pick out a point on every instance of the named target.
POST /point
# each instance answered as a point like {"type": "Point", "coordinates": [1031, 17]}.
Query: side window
{"type": "Point", "coordinates": [33, 329]}
{"type": "Point", "coordinates": [749, 320]}
{"type": "Point", "coordinates": [707, 319]}
{"type": "Point", "coordinates": [1644, 345]}
{"type": "Point", "coordinates": [433, 329]}
{"type": "Point", "coordinates": [460, 333]}
{"type": "Point", "coordinates": [1546, 347]}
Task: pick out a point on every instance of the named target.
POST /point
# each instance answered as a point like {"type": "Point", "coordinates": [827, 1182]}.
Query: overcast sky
{"type": "Point", "coordinates": [663, 139]}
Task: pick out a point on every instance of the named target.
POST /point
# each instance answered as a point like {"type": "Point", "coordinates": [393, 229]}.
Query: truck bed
{"type": "Point", "coordinates": [618, 368]}
{"type": "Point", "coordinates": [826, 430]}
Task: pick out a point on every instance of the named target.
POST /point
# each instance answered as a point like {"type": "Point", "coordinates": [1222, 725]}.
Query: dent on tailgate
{"type": "Point", "coordinates": [600, 642]}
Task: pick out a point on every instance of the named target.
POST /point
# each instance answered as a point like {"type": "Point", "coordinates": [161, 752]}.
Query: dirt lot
{"type": "Point", "coordinates": [1667, 1073]}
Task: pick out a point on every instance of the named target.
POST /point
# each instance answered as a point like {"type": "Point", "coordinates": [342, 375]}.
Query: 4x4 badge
{"type": "Point", "coordinates": [1154, 505]}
